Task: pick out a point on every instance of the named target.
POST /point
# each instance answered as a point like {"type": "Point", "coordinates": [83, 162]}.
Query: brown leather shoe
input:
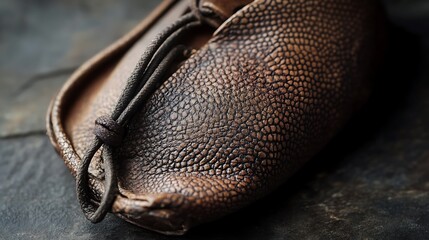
{"type": "Point", "coordinates": [229, 101]}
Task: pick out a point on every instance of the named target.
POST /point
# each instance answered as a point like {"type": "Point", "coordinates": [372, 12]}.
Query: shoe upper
{"type": "Point", "coordinates": [269, 89]}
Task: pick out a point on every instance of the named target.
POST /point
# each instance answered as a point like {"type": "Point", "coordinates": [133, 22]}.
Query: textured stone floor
{"type": "Point", "coordinates": [371, 182]}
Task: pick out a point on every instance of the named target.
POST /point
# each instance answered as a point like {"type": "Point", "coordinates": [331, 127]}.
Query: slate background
{"type": "Point", "coordinates": [371, 182]}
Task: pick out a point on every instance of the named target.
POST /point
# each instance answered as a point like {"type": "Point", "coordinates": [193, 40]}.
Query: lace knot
{"type": "Point", "coordinates": [108, 131]}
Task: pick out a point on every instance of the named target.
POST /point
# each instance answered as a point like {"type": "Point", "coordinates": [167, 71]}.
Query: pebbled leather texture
{"type": "Point", "coordinates": [275, 82]}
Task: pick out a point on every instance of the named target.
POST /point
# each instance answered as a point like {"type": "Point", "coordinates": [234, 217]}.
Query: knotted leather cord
{"type": "Point", "coordinates": [109, 130]}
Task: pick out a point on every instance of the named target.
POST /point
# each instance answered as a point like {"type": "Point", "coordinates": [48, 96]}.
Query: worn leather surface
{"type": "Point", "coordinates": [370, 182]}
{"type": "Point", "coordinates": [267, 92]}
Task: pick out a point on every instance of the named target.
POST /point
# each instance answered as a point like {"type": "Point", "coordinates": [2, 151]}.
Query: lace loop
{"type": "Point", "coordinates": [109, 131]}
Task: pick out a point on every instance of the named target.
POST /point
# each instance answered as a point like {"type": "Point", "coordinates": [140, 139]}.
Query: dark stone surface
{"type": "Point", "coordinates": [371, 182]}
{"type": "Point", "coordinates": [410, 14]}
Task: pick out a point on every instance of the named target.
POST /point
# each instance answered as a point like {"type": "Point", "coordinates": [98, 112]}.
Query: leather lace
{"type": "Point", "coordinates": [110, 130]}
